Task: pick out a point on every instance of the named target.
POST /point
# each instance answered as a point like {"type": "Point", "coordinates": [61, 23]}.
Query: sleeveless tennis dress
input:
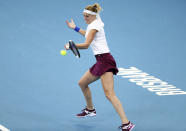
{"type": "Point", "coordinates": [104, 60]}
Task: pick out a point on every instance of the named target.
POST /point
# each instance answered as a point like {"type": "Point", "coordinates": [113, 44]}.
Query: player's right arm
{"type": "Point", "coordinates": [72, 25]}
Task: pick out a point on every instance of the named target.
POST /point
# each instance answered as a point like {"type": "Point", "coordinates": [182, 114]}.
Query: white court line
{"type": "Point", "coordinates": [2, 128]}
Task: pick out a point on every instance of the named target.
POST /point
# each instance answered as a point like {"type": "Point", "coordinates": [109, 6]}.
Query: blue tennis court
{"type": "Point", "coordinates": [39, 87]}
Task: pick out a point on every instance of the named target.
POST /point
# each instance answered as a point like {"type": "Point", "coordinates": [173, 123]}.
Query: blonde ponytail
{"type": "Point", "coordinates": [95, 8]}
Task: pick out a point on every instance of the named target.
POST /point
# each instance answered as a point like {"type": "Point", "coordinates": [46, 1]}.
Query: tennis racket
{"type": "Point", "coordinates": [74, 49]}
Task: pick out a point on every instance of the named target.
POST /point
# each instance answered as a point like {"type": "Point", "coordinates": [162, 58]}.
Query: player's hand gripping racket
{"type": "Point", "coordinates": [74, 49]}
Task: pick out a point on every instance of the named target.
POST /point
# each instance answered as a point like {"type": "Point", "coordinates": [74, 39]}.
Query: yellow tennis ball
{"type": "Point", "coordinates": [63, 52]}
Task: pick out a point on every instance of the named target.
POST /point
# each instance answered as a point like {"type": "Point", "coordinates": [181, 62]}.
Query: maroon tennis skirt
{"type": "Point", "coordinates": [104, 63]}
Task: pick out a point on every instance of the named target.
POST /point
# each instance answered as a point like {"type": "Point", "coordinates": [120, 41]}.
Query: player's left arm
{"type": "Point", "coordinates": [82, 32]}
{"type": "Point", "coordinates": [88, 40]}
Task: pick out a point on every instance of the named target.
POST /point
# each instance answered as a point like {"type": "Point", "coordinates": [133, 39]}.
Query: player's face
{"type": "Point", "coordinates": [89, 18]}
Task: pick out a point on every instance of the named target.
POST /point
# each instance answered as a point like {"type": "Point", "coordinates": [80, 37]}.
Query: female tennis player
{"type": "Point", "coordinates": [104, 68]}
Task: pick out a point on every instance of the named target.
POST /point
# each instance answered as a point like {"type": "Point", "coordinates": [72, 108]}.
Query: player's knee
{"type": "Point", "coordinates": [81, 84]}
{"type": "Point", "coordinates": [109, 95]}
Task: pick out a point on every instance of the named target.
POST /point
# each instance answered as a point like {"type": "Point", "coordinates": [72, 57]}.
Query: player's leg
{"type": "Point", "coordinates": [87, 79]}
{"type": "Point", "coordinates": [108, 86]}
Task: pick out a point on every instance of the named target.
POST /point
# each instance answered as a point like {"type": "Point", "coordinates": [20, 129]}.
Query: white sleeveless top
{"type": "Point", "coordinates": [99, 43]}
